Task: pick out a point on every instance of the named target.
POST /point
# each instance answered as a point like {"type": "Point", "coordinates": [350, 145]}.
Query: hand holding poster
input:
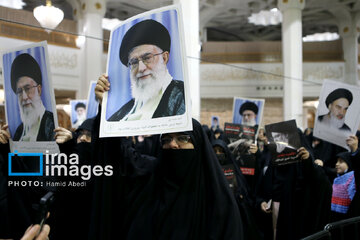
{"type": "Point", "coordinates": [147, 72]}
{"type": "Point", "coordinates": [338, 113]}
{"type": "Point", "coordinates": [30, 102]}
{"type": "Point", "coordinates": [284, 142]}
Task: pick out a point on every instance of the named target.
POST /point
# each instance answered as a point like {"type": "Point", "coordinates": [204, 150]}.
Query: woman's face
{"type": "Point", "coordinates": [176, 141]}
{"type": "Point", "coordinates": [218, 149]}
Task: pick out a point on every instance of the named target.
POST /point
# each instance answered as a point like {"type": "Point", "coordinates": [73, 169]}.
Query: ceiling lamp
{"type": "Point", "coordinates": [16, 4]}
{"type": "Point", "coordinates": [109, 24]}
{"type": "Point", "coordinates": [265, 17]}
{"type": "Point", "coordinates": [48, 16]}
{"type": "Point", "coordinates": [320, 37]}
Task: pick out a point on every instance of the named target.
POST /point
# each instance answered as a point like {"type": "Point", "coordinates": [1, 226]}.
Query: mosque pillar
{"type": "Point", "coordinates": [349, 32]}
{"type": "Point", "coordinates": [190, 11]}
{"type": "Point", "coordinates": [90, 15]}
{"type": "Point", "coordinates": [292, 59]}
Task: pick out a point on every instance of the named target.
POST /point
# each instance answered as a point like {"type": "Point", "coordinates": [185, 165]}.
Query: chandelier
{"type": "Point", "coordinates": [48, 16]}
{"type": "Point", "coordinates": [265, 17]}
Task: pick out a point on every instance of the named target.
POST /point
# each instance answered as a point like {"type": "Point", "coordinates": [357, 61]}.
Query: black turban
{"type": "Point", "coordinates": [339, 93]}
{"type": "Point", "coordinates": [144, 32]}
{"type": "Point", "coordinates": [249, 106]}
{"type": "Point", "coordinates": [80, 105]}
{"type": "Point", "coordinates": [25, 65]}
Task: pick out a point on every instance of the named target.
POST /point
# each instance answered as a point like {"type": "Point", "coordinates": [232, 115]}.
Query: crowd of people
{"type": "Point", "coordinates": [173, 186]}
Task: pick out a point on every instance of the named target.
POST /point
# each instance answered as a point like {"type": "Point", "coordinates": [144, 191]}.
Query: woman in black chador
{"type": "Point", "coordinates": [181, 194]}
{"type": "Point", "coordinates": [240, 188]}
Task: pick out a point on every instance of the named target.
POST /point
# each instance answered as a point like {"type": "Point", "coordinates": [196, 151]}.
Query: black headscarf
{"type": "Point", "coordinates": [208, 132]}
{"type": "Point", "coordinates": [346, 157]}
{"type": "Point", "coordinates": [242, 195]}
{"type": "Point", "coordinates": [243, 188]}
{"type": "Point", "coordinates": [182, 194]}
{"type": "Point", "coordinates": [305, 198]}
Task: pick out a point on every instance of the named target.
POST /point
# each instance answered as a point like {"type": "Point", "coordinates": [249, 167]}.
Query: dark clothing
{"type": "Point", "coordinates": [4, 209]}
{"type": "Point", "coordinates": [172, 103]}
{"type": "Point", "coordinates": [242, 194]}
{"type": "Point", "coordinates": [222, 135]}
{"type": "Point", "coordinates": [182, 194]}
{"type": "Point", "coordinates": [46, 130]}
{"type": "Point", "coordinates": [344, 127]}
{"type": "Point", "coordinates": [209, 133]}
{"type": "Point", "coordinates": [72, 206]}
{"type": "Point", "coordinates": [354, 209]}
{"type": "Point", "coordinates": [305, 196]}
{"type": "Point", "coordinates": [17, 203]}
{"type": "Point", "coordinates": [326, 152]}
{"type": "Point", "coordinates": [150, 146]}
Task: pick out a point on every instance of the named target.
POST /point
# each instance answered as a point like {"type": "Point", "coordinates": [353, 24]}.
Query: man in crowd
{"type": "Point", "coordinates": [248, 112]}
{"type": "Point", "coordinates": [26, 82]}
{"type": "Point", "coordinates": [338, 102]}
{"type": "Point", "coordinates": [145, 49]}
{"type": "Point", "coordinates": [80, 109]}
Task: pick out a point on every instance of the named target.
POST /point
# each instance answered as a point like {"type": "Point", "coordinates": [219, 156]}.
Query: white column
{"type": "Point", "coordinates": [190, 10]}
{"type": "Point", "coordinates": [349, 33]}
{"type": "Point", "coordinates": [292, 59]}
{"type": "Point", "coordinates": [92, 15]}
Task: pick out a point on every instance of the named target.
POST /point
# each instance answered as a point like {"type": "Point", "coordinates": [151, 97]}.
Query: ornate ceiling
{"type": "Point", "coordinates": [227, 20]}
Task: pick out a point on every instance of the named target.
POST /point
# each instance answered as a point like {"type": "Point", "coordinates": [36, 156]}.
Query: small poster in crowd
{"type": "Point", "coordinates": [284, 141]}
{"type": "Point", "coordinates": [29, 99]}
{"type": "Point", "coordinates": [215, 123]}
{"type": "Point", "coordinates": [338, 113]}
{"type": "Point", "coordinates": [147, 71]}
{"type": "Point", "coordinates": [234, 132]}
{"type": "Point", "coordinates": [229, 173]}
{"type": "Point", "coordinates": [93, 104]}
{"type": "Point", "coordinates": [78, 112]}
{"type": "Point", "coordinates": [241, 137]}
{"type": "Point", "coordinates": [248, 111]}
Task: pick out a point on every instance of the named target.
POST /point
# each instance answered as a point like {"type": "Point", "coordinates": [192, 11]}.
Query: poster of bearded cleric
{"type": "Point", "coordinates": [93, 104]}
{"type": "Point", "coordinates": [78, 112]}
{"type": "Point", "coordinates": [248, 111]}
{"type": "Point", "coordinates": [147, 69]}
{"type": "Point", "coordinates": [30, 103]}
{"type": "Point", "coordinates": [284, 141]}
{"type": "Point", "coordinates": [338, 113]}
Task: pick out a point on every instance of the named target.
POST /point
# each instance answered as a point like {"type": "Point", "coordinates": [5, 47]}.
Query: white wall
{"type": "Point", "coordinates": [262, 79]}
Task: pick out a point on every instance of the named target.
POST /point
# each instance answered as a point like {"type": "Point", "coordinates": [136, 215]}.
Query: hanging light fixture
{"type": "Point", "coordinates": [48, 16]}
{"type": "Point", "coordinates": [266, 17]}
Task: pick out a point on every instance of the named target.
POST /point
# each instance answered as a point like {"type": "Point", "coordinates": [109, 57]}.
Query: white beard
{"type": "Point", "coordinates": [250, 123]}
{"type": "Point", "coordinates": [143, 90]}
{"type": "Point", "coordinates": [32, 114]}
{"type": "Point", "coordinates": [280, 147]}
{"type": "Point", "coordinates": [334, 121]}
{"type": "Point", "coordinates": [81, 118]}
